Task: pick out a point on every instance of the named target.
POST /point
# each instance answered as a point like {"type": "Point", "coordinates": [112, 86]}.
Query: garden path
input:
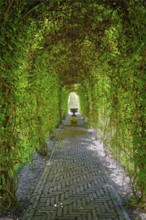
{"type": "Point", "coordinates": [74, 184]}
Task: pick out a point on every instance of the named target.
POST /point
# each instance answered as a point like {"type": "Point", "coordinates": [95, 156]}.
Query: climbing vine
{"type": "Point", "coordinates": [32, 100]}
{"type": "Point", "coordinates": [48, 47]}
{"type": "Point", "coordinates": [116, 94]}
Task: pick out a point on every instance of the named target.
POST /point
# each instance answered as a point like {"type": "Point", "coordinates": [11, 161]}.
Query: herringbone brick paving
{"type": "Point", "coordinates": [74, 185]}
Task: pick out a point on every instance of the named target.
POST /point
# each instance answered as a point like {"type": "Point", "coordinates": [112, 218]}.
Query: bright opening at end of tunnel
{"type": "Point", "coordinates": [73, 102]}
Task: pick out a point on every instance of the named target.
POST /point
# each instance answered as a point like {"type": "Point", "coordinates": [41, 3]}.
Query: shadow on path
{"type": "Point", "coordinates": [74, 184]}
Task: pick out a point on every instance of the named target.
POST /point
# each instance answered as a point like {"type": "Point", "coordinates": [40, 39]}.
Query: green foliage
{"type": "Point", "coordinates": [32, 101]}
{"type": "Point", "coordinates": [113, 95]}
{"type": "Point", "coordinates": [45, 49]}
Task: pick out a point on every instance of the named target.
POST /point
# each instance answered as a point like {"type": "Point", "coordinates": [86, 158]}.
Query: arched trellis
{"type": "Point", "coordinates": [100, 47]}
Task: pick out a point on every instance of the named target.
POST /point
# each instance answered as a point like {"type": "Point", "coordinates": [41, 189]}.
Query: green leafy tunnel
{"type": "Point", "coordinates": [51, 48]}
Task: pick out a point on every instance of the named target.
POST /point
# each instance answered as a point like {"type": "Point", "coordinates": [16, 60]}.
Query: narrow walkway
{"type": "Point", "coordinates": [74, 185]}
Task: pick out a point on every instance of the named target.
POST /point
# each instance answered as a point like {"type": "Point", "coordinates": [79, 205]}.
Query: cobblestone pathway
{"type": "Point", "coordinates": [74, 185]}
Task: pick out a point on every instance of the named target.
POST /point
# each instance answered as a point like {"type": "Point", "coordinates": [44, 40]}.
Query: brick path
{"type": "Point", "coordinates": [74, 185]}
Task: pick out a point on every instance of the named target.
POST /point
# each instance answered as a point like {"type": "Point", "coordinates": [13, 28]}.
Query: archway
{"type": "Point", "coordinates": [73, 101]}
{"type": "Point", "coordinates": [99, 45]}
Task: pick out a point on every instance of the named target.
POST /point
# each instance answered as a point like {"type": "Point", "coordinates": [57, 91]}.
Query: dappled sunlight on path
{"type": "Point", "coordinates": [74, 184]}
